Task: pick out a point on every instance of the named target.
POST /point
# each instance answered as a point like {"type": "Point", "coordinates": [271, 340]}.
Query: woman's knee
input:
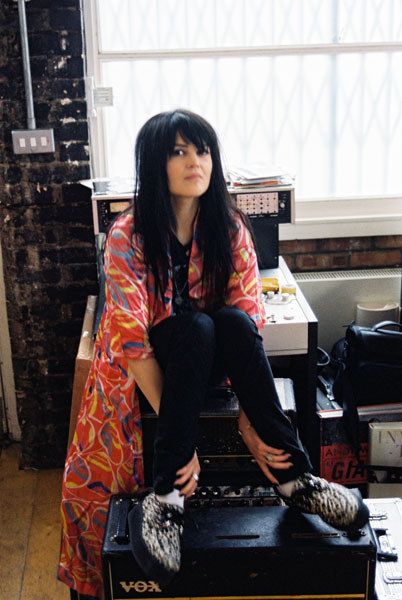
{"type": "Point", "coordinates": [230, 320]}
{"type": "Point", "coordinates": [199, 326]}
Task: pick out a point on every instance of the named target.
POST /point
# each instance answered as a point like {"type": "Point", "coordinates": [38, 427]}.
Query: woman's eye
{"type": "Point", "coordinates": [178, 152]}
{"type": "Point", "coordinates": [203, 151]}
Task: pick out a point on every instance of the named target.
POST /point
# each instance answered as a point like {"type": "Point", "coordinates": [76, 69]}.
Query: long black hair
{"type": "Point", "coordinates": [154, 216]}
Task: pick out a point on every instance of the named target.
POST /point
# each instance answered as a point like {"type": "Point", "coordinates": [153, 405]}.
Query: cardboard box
{"type": "Point", "coordinates": [83, 362]}
{"type": "Point", "coordinates": [385, 444]}
{"type": "Point", "coordinates": [338, 462]}
{"type": "Point", "coordinates": [385, 449]}
{"type": "Point", "coordinates": [384, 490]}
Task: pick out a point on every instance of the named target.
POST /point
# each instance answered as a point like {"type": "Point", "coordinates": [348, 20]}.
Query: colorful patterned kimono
{"type": "Point", "coordinates": [105, 456]}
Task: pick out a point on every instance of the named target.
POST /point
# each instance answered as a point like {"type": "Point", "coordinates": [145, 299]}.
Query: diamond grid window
{"type": "Point", "coordinates": [311, 85]}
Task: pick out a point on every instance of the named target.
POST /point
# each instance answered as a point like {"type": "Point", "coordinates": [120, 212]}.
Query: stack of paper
{"type": "Point", "coordinates": [258, 175]}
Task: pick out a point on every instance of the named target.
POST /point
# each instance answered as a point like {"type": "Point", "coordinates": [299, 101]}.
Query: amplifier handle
{"type": "Point", "coordinates": [121, 537]}
{"type": "Point", "coordinates": [383, 554]}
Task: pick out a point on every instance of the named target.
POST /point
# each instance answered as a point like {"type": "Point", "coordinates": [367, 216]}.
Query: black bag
{"type": "Point", "coordinates": [369, 371]}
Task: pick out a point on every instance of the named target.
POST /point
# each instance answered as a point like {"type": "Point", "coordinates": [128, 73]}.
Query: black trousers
{"type": "Point", "coordinates": [194, 351]}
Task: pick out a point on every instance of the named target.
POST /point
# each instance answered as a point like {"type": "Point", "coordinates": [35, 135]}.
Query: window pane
{"type": "Point", "coordinates": [131, 25]}
{"type": "Point", "coordinates": [368, 124]}
{"type": "Point", "coordinates": [335, 122]}
{"type": "Point", "coordinates": [370, 21]}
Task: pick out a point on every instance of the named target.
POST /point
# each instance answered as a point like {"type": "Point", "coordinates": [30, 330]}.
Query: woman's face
{"type": "Point", "coordinates": [188, 170]}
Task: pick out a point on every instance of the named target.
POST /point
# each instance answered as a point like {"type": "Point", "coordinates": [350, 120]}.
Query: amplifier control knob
{"type": "Point", "coordinates": [216, 492]}
{"type": "Point", "coordinates": [204, 492]}
{"type": "Point", "coordinates": [288, 316]}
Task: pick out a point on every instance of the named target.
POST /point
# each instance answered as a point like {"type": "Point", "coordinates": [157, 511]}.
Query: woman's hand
{"type": "Point", "coordinates": [187, 477]}
{"type": "Point", "coordinates": [266, 456]}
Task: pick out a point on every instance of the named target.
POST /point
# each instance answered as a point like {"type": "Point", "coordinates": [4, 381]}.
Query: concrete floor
{"type": "Point", "coordinates": [29, 531]}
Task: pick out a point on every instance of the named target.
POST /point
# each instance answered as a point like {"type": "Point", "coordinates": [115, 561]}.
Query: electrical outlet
{"type": "Point", "coordinates": [33, 141]}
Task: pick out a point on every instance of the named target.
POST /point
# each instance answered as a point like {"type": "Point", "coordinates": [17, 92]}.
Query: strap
{"type": "Point", "coordinates": [383, 324]}
{"type": "Point", "coordinates": [323, 358]}
{"type": "Point", "coordinates": [350, 414]}
{"type": "Point", "coordinates": [344, 395]}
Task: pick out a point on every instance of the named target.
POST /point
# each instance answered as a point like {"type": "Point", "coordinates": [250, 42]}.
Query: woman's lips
{"type": "Point", "coordinates": [195, 176]}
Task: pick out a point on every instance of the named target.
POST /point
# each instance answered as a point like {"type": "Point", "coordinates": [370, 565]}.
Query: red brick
{"type": "Point", "coordinates": [340, 261]}
{"type": "Point", "coordinates": [376, 259]}
{"type": "Point", "coordinates": [361, 243]}
{"type": "Point", "coordinates": [297, 246]}
{"type": "Point", "coordinates": [309, 246]}
{"type": "Point", "coordinates": [313, 262]}
{"type": "Point", "coordinates": [288, 246]}
{"type": "Point", "coordinates": [337, 244]}
{"type": "Point", "coordinates": [388, 241]}
{"type": "Point", "coordinates": [290, 261]}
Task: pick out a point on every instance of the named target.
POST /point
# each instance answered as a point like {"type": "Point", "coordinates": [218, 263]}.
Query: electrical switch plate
{"type": "Point", "coordinates": [102, 96]}
{"type": "Point", "coordinates": [32, 141]}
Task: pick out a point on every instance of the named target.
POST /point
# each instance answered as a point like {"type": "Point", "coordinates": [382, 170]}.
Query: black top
{"type": "Point", "coordinates": [180, 260]}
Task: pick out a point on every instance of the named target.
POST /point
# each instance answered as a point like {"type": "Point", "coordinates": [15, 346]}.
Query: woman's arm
{"type": "Point", "coordinates": [244, 285]}
{"type": "Point", "coordinates": [127, 295]}
{"type": "Point", "coordinates": [265, 456]}
{"type": "Point", "coordinates": [149, 378]}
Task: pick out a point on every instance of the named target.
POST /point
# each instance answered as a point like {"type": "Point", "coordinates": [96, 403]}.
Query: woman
{"type": "Point", "coordinates": [183, 310]}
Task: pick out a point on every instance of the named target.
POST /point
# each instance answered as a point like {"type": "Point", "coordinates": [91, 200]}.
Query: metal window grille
{"type": "Point", "coordinates": [311, 85]}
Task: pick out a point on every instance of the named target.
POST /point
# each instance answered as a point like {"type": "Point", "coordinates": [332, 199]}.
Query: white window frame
{"type": "Point", "coordinates": [316, 217]}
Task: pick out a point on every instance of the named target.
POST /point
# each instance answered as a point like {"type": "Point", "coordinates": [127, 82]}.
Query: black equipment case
{"type": "Point", "coordinates": [251, 552]}
{"type": "Point", "coordinates": [386, 521]}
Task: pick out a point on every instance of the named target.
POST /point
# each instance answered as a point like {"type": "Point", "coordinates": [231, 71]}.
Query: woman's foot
{"type": "Point", "coordinates": [335, 504]}
{"type": "Point", "coordinates": [155, 533]}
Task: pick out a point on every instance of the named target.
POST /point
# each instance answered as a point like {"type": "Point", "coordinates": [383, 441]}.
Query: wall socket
{"type": "Point", "coordinates": [33, 141]}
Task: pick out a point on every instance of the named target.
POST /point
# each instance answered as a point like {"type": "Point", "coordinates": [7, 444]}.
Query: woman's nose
{"type": "Point", "coordinates": [193, 158]}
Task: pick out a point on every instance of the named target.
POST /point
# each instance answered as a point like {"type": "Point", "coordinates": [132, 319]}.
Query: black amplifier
{"type": "Point", "coordinates": [265, 230]}
{"type": "Point", "coordinates": [224, 458]}
{"type": "Point", "coordinates": [106, 207]}
{"type": "Point", "coordinates": [266, 208]}
{"type": "Point", "coordinates": [266, 552]}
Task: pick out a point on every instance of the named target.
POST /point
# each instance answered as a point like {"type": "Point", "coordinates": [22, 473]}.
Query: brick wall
{"type": "Point", "coordinates": [45, 220]}
{"type": "Point", "coordinates": [342, 253]}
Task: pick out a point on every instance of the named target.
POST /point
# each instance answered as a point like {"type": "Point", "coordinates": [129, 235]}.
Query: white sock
{"type": "Point", "coordinates": [172, 498]}
{"type": "Point", "coordinates": [286, 489]}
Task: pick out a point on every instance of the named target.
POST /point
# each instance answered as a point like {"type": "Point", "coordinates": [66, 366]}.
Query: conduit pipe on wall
{"type": "Point", "coordinates": [26, 65]}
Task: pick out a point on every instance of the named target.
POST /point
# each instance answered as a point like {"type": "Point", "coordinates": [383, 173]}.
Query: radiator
{"type": "Point", "coordinates": [334, 295]}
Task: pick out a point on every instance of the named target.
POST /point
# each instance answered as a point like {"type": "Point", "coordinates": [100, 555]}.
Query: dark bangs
{"type": "Point", "coordinates": [155, 144]}
{"type": "Point", "coordinates": [193, 129]}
